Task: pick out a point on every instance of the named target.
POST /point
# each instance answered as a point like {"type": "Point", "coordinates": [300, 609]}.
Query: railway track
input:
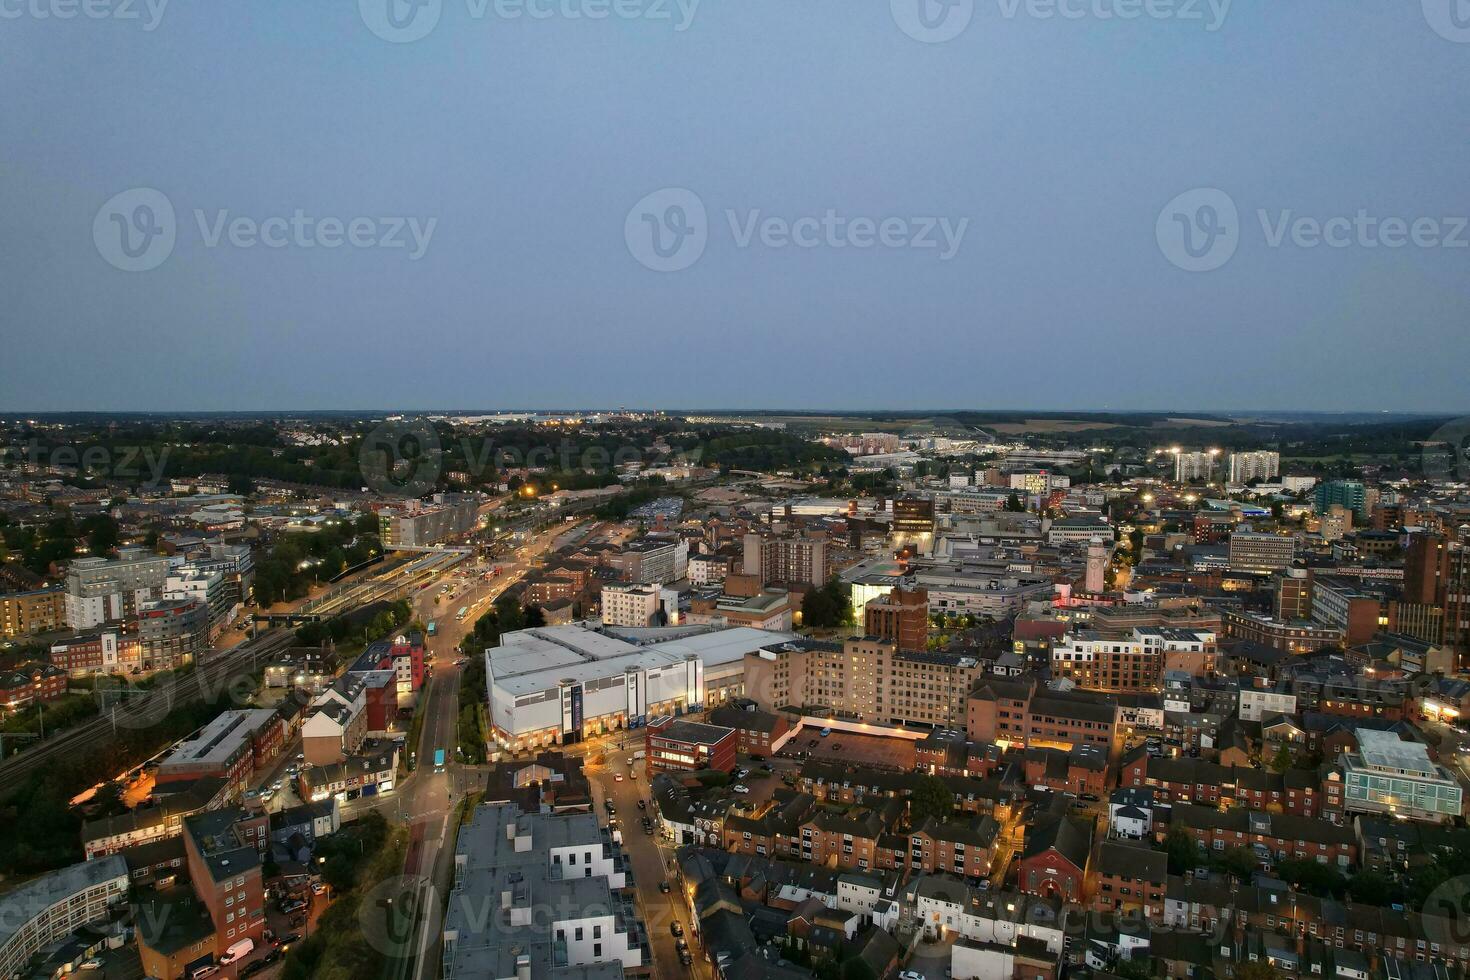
{"type": "Point", "coordinates": [143, 709]}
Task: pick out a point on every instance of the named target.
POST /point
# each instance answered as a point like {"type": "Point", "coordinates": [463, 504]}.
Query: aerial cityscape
{"type": "Point", "coordinates": [760, 490]}
{"type": "Point", "coordinates": [514, 694]}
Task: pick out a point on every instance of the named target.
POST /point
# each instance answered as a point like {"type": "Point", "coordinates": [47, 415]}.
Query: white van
{"type": "Point", "coordinates": [238, 951]}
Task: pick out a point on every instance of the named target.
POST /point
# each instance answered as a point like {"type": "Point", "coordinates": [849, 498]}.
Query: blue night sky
{"type": "Point", "coordinates": [518, 146]}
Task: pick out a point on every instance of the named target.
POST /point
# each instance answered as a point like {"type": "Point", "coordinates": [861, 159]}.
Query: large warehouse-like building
{"type": "Point", "coordinates": [559, 684]}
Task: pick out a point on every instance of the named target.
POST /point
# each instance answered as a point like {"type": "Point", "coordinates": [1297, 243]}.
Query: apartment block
{"type": "Point", "coordinates": [558, 885]}
{"type": "Point", "coordinates": [29, 613]}
{"type": "Point", "coordinates": [787, 560]}
{"type": "Point", "coordinates": [1253, 552]}
{"type": "Point", "coordinates": [99, 590]}
{"type": "Point", "coordinates": [866, 679]}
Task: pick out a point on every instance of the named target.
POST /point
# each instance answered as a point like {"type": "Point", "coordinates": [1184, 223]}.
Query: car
{"type": "Point", "coordinates": [317, 888]}
{"type": "Point", "coordinates": [271, 956]}
{"type": "Point", "coordinates": [663, 886]}
{"type": "Point", "coordinates": [617, 777]}
{"type": "Point", "coordinates": [681, 944]}
{"type": "Point", "coordinates": [910, 975]}
{"type": "Point", "coordinates": [300, 756]}
{"type": "Point", "coordinates": [825, 732]}
{"type": "Point", "coordinates": [741, 789]}
{"type": "Point", "coordinates": [608, 805]}
{"type": "Point", "coordinates": [208, 970]}
{"type": "Point", "coordinates": [92, 964]}
{"type": "Point", "coordinates": [685, 958]}
{"type": "Point", "coordinates": [741, 773]}
{"type": "Point", "coordinates": [643, 804]}
{"type": "Point", "coordinates": [676, 929]}
{"type": "Point", "coordinates": [648, 831]}
{"type": "Point", "coordinates": [250, 969]}
{"type": "Point", "coordinates": [767, 767]}
{"type": "Point", "coordinates": [290, 938]}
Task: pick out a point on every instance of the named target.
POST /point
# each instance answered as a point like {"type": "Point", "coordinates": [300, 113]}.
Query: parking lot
{"type": "Point", "coordinates": [850, 749]}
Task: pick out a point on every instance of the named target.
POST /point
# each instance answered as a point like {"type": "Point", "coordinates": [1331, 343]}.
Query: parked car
{"type": "Point", "coordinates": [643, 804]}
{"type": "Point", "coordinates": [685, 958]}
{"type": "Point", "coordinates": [741, 773]}
{"type": "Point", "coordinates": [824, 733]}
{"type": "Point", "coordinates": [92, 964]}
{"type": "Point", "coordinates": [910, 975]}
{"type": "Point", "coordinates": [742, 790]}
{"type": "Point", "coordinates": [676, 929]}
{"type": "Point", "coordinates": [681, 944]}
{"type": "Point", "coordinates": [663, 886]}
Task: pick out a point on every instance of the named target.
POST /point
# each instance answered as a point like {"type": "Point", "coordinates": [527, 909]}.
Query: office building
{"type": "Point", "coordinates": [1252, 552]}
{"type": "Point", "coordinates": [674, 745]}
{"type": "Point", "coordinates": [558, 887]}
{"type": "Point", "coordinates": [1391, 776]}
{"type": "Point", "coordinates": [913, 516]}
{"type": "Point", "coordinates": [1245, 467]}
{"type": "Point", "coordinates": [1437, 575]}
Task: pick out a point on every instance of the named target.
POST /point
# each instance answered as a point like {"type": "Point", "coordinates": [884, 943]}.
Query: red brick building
{"type": "Point", "coordinates": [756, 731]}
{"type": "Point", "coordinates": [1284, 836]}
{"type": "Point", "coordinates": [1131, 878]}
{"type": "Point", "coordinates": [900, 617]}
{"type": "Point", "coordinates": [681, 746]}
{"type": "Point", "coordinates": [1053, 864]}
{"type": "Point", "coordinates": [31, 683]}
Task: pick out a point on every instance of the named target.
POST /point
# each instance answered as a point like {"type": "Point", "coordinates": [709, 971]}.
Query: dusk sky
{"type": "Point", "coordinates": [1001, 205]}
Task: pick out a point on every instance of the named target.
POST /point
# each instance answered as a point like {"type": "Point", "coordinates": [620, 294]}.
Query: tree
{"type": "Point", "coordinates": [1320, 879]}
{"type": "Point", "coordinates": [931, 798]}
{"type": "Point", "coordinates": [1256, 970]}
{"type": "Point", "coordinates": [1014, 504]}
{"type": "Point", "coordinates": [1282, 760]}
{"type": "Point", "coordinates": [1240, 862]}
{"type": "Point", "coordinates": [1374, 888]}
{"type": "Point", "coordinates": [1182, 850]}
{"type": "Point", "coordinates": [829, 606]}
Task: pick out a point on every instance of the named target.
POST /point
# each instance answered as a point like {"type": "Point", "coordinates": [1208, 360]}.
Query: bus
{"type": "Point", "coordinates": [431, 627]}
{"type": "Point", "coordinates": [438, 760]}
{"type": "Point", "coordinates": [463, 612]}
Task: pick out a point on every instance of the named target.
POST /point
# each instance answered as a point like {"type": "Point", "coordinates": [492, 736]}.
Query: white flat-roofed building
{"type": "Point", "coordinates": [557, 684]}
{"type": "Point", "coordinates": [53, 906]}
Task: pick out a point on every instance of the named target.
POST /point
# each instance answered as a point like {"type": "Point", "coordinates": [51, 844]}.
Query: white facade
{"type": "Point", "coordinates": [1257, 704]}
{"type": "Point", "coordinates": [1245, 467]}
{"type": "Point", "coordinates": [637, 605]}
